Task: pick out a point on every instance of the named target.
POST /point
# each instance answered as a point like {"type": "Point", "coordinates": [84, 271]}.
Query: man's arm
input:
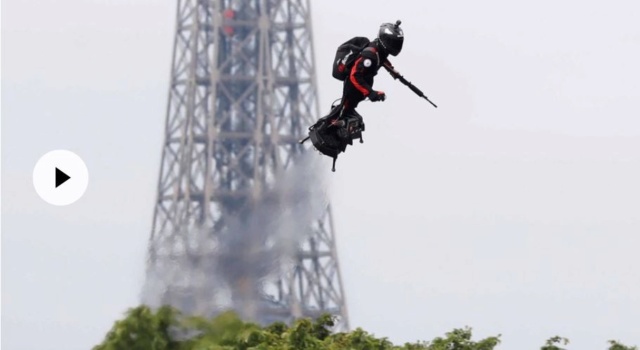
{"type": "Point", "coordinates": [392, 71]}
{"type": "Point", "coordinates": [366, 64]}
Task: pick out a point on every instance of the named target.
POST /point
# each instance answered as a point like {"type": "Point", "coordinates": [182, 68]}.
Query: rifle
{"type": "Point", "coordinates": [394, 73]}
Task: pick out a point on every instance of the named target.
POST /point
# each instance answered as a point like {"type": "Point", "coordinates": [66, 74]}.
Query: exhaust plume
{"type": "Point", "coordinates": [229, 268]}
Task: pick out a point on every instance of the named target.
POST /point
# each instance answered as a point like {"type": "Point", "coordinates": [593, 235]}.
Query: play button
{"type": "Point", "coordinates": [60, 177]}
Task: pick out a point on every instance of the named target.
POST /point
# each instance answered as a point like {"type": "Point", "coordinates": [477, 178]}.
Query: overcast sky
{"type": "Point", "coordinates": [513, 208]}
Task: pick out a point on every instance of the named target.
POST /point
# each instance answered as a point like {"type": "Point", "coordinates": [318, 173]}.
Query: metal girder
{"type": "Point", "coordinates": [242, 92]}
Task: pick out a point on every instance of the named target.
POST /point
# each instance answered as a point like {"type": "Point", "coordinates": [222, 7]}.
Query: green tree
{"type": "Point", "coordinates": [551, 343]}
{"type": "Point", "coordinates": [614, 345]}
{"type": "Point", "coordinates": [460, 339]}
{"type": "Point", "coordinates": [167, 329]}
{"type": "Point", "coordinates": [226, 331]}
{"type": "Point", "coordinates": [142, 329]}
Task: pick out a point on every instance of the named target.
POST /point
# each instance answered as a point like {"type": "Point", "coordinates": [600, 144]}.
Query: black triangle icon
{"type": "Point", "coordinates": [61, 177]}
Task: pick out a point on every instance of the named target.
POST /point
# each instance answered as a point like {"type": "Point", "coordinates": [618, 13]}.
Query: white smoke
{"type": "Point", "coordinates": [228, 270]}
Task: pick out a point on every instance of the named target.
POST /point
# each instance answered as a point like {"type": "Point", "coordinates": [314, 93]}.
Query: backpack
{"type": "Point", "coordinates": [346, 55]}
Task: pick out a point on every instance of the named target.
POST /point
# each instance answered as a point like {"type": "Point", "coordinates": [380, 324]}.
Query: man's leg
{"type": "Point", "coordinates": [351, 97]}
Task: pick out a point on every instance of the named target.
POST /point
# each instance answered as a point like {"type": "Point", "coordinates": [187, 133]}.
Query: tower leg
{"type": "Point", "coordinates": [239, 135]}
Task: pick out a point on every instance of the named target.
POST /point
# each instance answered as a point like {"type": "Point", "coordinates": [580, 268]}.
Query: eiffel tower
{"type": "Point", "coordinates": [236, 224]}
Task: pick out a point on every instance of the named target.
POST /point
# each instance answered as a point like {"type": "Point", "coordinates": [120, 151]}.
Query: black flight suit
{"type": "Point", "coordinates": [359, 84]}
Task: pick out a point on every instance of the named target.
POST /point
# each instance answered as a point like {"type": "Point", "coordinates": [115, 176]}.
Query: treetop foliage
{"type": "Point", "coordinates": [166, 329]}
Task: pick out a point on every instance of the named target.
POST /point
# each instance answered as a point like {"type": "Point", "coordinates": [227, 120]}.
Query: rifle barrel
{"type": "Point", "coordinates": [396, 75]}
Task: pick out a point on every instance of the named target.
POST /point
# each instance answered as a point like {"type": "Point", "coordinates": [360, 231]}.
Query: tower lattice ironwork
{"type": "Point", "coordinates": [242, 93]}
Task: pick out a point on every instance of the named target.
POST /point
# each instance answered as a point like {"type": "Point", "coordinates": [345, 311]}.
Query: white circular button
{"type": "Point", "coordinates": [60, 177]}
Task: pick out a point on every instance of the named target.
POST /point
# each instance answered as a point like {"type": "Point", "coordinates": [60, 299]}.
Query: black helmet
{"type": "Point", "coordinates": [391, 37]}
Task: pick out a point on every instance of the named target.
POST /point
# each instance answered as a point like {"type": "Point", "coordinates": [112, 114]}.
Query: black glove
{"type": "Point", "coordinates": [377, 96]}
